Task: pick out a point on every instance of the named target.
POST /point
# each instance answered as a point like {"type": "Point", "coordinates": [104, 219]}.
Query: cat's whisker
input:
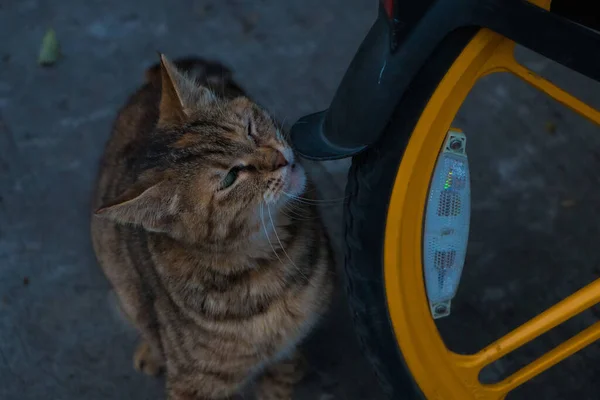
{"type": "Point", "coordinates": [288, 215]}
{"type": "Point", "coordinates": [285, 133]}
{"type": "Point", "coordinates": [267, 235]}
{"type": "Point", "coordinates": [314, 201]}
{"type": "Point", "coordinates": [298, 211]}
{"type": "Point", "coordinates": [297, 217]}
{"type": "Point", "coordinates": [310, 190]}
{"type": "Point", "coordinates": [297, 207]}
{"type": "Point", "coordinates": [283, 249]}
{"type": "Point", "coordinates": [291, 216]}
{"type": "Point", "coordinates": [262, 219]}
{"type": "Point", "coordinates": [282, 125]}
{"type": "Point", "coordinates": [317, 200]}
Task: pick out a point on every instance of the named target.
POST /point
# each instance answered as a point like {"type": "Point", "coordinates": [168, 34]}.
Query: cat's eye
{"type": "Point", "coordinates": [230, 178]}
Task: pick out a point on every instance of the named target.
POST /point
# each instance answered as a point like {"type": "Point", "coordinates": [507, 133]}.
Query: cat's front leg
{"type": "Point", "coordinates": [277, 381]}
{"type": "Point", "coordinates": [147, 359]}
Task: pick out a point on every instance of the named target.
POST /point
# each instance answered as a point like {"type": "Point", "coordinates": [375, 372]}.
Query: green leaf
{"type": "Point", "coordinates": [50, 50]}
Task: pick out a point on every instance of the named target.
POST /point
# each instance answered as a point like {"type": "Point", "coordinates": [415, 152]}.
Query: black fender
{"type": "Point", "coordinates": [401, 40]}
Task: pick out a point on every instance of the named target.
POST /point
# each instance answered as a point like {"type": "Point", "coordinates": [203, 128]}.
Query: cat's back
{"type": "Point", "coordinates": [134, 121]}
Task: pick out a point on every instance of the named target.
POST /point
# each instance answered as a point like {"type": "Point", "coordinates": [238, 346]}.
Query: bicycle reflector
{"type": "Point", "coordinates": [447, 224]}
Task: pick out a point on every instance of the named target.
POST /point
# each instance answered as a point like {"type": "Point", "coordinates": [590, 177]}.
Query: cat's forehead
{"type": "Point", "coordinates": [215, 138]}
{"type": "Point", "coordinates": [233, 115]}
{"type": "Point", "coordinates": [219, 142]}
{"type": "Point", "coordinates": [211, 141]}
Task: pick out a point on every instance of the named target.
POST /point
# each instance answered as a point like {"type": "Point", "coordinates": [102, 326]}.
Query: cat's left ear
{"type": "Point", "coordinates": [180, 94]}
{"type": "Point", "coordinates": [151, 203]}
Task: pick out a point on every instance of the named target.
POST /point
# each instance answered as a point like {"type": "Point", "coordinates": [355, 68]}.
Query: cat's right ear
{"type": "Point", "coordinates": [180, 95]}
{"type": "Point", "coordinates": [171, 104]}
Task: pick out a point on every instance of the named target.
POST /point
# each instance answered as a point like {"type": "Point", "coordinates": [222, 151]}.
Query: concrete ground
{"type": "Point", "coordinates": [534, 166]}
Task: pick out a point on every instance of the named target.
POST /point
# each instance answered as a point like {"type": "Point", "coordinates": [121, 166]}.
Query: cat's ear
{"type": "Point", "coordinates": [151, 203]}
{"type": "Point", "coordinates": [180, 94]}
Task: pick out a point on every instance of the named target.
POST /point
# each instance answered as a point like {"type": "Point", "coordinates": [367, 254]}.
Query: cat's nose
{"type": "Point", "coordinates": [279, 161]}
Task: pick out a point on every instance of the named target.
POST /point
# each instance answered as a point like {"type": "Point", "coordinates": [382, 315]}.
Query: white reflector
{"type": "Point", "coordinates": [447, 224]}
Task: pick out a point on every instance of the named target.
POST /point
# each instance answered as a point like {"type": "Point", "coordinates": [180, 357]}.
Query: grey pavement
{"type": "Point", "coordinates": [535, 189]}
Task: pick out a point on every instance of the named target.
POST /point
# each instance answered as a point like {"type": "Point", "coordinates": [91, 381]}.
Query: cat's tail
{"type": "Point", "coordinates": [205, 72]}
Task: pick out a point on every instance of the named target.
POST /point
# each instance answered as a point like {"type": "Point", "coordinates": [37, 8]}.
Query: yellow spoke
{"type": "Point", "coordinates": [553, 357]}
{"type": "Point", "coordinates": [504, 61]}
{"type": "Point", "coordinates": [569, 307]}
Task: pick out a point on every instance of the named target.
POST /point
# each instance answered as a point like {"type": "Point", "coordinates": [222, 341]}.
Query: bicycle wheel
{"type": "Point", "coordinates": [388, 189]}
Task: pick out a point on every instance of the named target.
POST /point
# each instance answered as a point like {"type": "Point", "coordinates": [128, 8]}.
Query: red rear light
{"type": "Point", "coordinates": [389, 7]}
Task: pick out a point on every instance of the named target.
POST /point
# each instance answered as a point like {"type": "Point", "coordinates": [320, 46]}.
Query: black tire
{"type": "Point", "coordinates": [369, 188]}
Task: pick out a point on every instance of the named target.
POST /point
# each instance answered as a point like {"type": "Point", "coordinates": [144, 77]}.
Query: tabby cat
{"type": "Point", "coordinates": [206, 227]}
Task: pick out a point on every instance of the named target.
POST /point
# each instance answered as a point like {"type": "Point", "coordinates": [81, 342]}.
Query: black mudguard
{"type": "Point", "coordinates": [402, 40]}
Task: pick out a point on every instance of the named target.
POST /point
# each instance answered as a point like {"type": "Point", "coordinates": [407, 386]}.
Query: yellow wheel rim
{"type": "Point", "coordinates": [440, 373]}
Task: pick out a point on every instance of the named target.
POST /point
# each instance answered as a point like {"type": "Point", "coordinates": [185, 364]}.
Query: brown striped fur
{"type": "Point", "coordinates": [222, 283]}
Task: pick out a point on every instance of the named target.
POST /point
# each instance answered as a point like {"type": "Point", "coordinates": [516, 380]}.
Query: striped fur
{"type": "Point", "coordinates": [222, 283]}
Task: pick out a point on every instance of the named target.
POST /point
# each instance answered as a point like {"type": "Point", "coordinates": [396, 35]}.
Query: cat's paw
{"type": "Point", "coordinates": [146, 361]}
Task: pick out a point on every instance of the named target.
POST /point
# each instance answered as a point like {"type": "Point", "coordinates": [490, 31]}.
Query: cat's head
{"type": "Point", "coordinates": [212, 170]}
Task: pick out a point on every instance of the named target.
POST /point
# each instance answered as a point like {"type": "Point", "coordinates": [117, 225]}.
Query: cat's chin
{"type": "Point", "coordinates": [296, 182]}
